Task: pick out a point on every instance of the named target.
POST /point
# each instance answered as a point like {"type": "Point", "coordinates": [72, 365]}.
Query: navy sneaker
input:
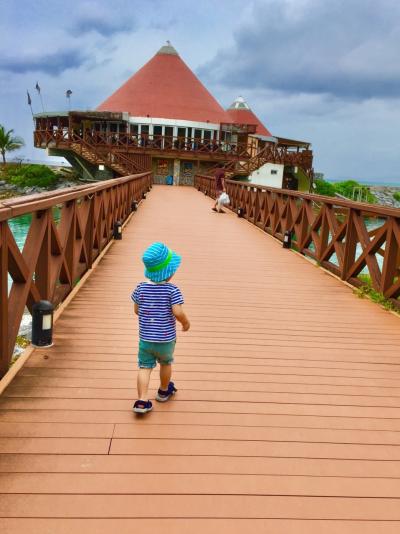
{"type": "Point", "coordinates": [163, 396]}
{"type": "Point", "coordinates": [142, 406]}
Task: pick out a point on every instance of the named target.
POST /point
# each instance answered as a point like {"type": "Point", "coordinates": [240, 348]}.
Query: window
{"type": "Point", "coordinates": [274, 171]}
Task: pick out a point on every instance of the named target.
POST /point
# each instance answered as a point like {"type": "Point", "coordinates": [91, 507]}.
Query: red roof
{"type": "Point", "coordinates": [166, 88]}
{"type": "Point", "coordinates": [246, 116]}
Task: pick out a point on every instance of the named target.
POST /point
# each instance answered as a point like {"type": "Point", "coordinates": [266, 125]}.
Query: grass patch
{"type": "Point", "coordinates": [22, 342]}
{"type": "Point", "coordinates": [367, 291]}
{"type": "Point", "coordinates": [4, 195]}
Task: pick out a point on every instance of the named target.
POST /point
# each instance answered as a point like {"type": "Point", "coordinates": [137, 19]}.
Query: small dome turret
{"type": "Point", "coordinates": [239, 103]}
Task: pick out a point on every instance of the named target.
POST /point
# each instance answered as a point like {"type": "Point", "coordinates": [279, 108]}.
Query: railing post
{"type": "Point", "coordinates": [4, 354]}
{"type": "Point", "coordinates": [391, 258]}
{"type": "Point", "coordinates": [350, 246]}
{"type": "Point", "coordinates": [90, 230]}
{"type": "Point", "coordinates": [43, 266]}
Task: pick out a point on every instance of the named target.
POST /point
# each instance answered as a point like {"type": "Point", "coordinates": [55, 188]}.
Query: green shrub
{"type": "Point", "coordinates": [396, 196]}
{"type": "Point", "coordinates": [346, 189]}
{"type": "Point", "coordinates": [324, 188]}
{"type": "Point", "coordinates": [32, 176]}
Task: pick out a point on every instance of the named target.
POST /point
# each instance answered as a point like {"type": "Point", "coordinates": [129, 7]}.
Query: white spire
{"type": "Point", "coordinates": [239, 103]}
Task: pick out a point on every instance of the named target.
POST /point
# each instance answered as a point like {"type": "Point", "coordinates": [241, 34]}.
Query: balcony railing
{"type": "Point", "coordinates": [63, 137]}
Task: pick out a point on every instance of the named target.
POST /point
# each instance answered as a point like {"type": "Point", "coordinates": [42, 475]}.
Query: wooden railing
{"type": "Point", "coordinates": [348, 238]}
{"type": "Point", "coordinates": [62, 137]}
{"type": "Point", "coordinates": [57, 254]}
{"type": "Point", "coordinates": [284, 155]}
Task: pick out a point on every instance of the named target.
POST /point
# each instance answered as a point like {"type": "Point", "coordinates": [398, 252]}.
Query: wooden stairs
{"type": "Point", "coordinates": [122, 164]}
{"type": "Point", "coordinates": [268, 154]}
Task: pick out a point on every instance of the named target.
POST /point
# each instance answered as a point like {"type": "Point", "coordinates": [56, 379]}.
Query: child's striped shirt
{"type": "Point", "coordinates": [156, 320]}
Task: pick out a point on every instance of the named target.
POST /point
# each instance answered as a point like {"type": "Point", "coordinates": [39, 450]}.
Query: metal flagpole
{"type": "Point", "coordinates": [37, 87]}
{"type": "Point", "coordinates": [30, 103]}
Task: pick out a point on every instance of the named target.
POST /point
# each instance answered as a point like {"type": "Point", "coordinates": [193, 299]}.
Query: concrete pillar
{"type": "Point", "coordinates": [177, 171]}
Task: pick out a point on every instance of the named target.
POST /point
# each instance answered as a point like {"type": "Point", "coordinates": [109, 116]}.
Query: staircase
{"type": "Point", "coordinates": [268, 154]}
{"type": "Point", "coordinates": [122, 164]}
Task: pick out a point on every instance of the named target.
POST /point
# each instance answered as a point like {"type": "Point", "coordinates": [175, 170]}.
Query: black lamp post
{"type": "Point", "coordinates": [117, 233]}
{"type": "Point", "coordinates": [42, 324]}
{"type": "Point", "coordinates": [287, 239]}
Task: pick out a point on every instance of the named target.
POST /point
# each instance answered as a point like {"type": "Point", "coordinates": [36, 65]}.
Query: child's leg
{"type": "Point", "coordinates": [165, 376]}
{"type": "Point", "coordinates": [143, 380]}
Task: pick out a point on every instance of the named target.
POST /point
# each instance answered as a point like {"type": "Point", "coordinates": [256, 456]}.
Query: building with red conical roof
{"type": "Point", "coordinates": [163, 119]}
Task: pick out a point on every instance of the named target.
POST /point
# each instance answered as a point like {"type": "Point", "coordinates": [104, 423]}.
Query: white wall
{"type": "Point", "coordinates": [174, 122]}
{"type": "Point", "coordinates": [263, 175]}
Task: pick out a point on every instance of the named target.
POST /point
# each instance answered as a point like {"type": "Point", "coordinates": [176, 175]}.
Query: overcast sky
{"type": "Point", "coordinates": [327, 71]}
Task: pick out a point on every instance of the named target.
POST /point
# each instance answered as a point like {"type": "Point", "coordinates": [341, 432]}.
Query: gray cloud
{"type": "Point", "coordinates": [95, 17]}
{"type": "Point", "coordinates": [53, 64]}
{"type": "Point", "coordinates": [106, 28]}
{"type": "Point", "coordinates": [347, 48]}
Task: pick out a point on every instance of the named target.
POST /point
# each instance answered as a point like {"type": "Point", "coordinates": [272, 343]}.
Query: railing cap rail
{"type": "Point", "coordinates": [41, 201]}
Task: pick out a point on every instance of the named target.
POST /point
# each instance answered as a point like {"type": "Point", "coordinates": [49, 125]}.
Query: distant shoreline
{"type": "Point", "coordinates": [369, 183]}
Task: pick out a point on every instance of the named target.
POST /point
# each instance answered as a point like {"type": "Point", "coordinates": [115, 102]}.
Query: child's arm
{"type": "Point", "coordinates": [135, 298]}
{"type": "Point", "coordinates": [180, 315]}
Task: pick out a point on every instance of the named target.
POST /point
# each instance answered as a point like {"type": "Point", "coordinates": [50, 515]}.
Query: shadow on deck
{"type": "Point", "coordinates": [287, 415]}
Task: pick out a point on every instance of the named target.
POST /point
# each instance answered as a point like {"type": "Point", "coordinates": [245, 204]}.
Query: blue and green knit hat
{"type": "Point", "coordinates": [160, 262]}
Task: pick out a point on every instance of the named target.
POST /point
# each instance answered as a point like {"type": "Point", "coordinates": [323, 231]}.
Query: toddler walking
{"type": "Point", "coordinates": [158, 303]}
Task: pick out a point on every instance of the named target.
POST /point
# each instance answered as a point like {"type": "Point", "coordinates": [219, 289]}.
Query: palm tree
{"type": "Point", "coordinates": [8, 142]}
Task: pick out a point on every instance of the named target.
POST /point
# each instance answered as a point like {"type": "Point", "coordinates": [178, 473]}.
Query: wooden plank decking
{"type": "Point", "coordinates": [287, 416]}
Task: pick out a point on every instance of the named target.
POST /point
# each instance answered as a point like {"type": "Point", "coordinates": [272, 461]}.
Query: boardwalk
{"type": "Point", "coordinates": [287, 416]}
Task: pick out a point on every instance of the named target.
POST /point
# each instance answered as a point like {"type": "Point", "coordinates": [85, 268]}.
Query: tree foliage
{"type": "Point", "coordinates": [32, 176]}
{"type": "Point", "coordinates": [324, 188]}
{"type": "Point", "coordinates": [9, 142]}
{"type": "Point", "coordinates": [347, 188]}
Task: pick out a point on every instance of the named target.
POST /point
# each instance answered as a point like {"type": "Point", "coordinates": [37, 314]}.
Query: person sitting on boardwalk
{"type": "Point", "coordinates": [158, 303]}
{"type": "Point", "coordinates": [219, 186]}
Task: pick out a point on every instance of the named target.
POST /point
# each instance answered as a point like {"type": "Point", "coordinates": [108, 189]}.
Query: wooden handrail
{"type": "Point", "coordinates": [56, 255]}
{"type": "Point", "coordinates": [323, 227]}
{"type": "Point", "coordinates": [142, 142]}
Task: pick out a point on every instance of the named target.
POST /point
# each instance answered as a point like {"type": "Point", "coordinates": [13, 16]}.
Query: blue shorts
{"type": "Point", "coordinates": [151, 352]}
